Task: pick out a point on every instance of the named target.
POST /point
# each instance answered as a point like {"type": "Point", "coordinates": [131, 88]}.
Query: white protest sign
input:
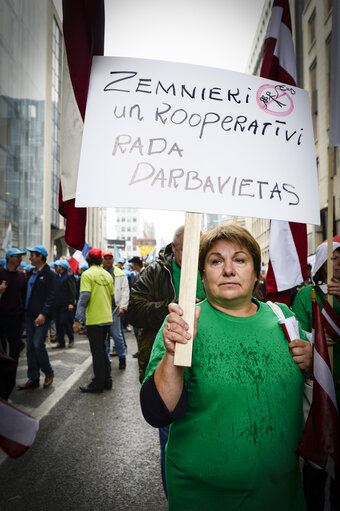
{"type": "Point", "coordinates": [164, 135]}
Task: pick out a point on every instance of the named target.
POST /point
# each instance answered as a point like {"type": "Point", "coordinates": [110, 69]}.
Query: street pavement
{"type": "Point", "coordinates": [92, 451]}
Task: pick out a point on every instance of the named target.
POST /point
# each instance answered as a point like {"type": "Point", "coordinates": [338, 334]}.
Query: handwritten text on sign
{"type": "Point", "coordinates": [173, 136]}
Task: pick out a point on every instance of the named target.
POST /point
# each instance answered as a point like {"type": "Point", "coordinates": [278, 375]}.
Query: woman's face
{"type": "Point", "coordinates": [336, 263]}
{"type": "Point", "coordinates": [229, 275]}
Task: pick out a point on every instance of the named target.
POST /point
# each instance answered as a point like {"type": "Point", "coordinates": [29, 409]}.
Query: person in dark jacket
{"type": "Point", "coordinates": [39, 306]}
{"type": "Point", "coordinates": [65, 301]}
{"type": "Point", "coordinates": [12, 300]}
{"type": "Point", "coordinates": [156, 287]}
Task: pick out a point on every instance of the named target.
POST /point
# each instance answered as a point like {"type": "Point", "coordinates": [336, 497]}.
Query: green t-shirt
{"type": "Point", "coordinates": [99, 283]}
{"type": "Point", "coordinates": [235, 447]}
{"type": "Point", "coordinates": [303, 311]}
{"type": "Point", "coordinates": [176, 276]}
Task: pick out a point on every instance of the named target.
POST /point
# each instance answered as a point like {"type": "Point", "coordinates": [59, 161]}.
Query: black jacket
{"type": "Point", "coordinates": [42, 298]}
{"type": "Point", "coordinates": [148, 305]}
{"type": "Point", "coordinates": [65, 290]}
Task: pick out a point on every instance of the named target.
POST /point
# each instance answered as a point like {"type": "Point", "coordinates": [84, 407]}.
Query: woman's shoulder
{"type": "Point", "coordinates": [305, 291]}
{"type": "Point", "coordinates": [283, 307]}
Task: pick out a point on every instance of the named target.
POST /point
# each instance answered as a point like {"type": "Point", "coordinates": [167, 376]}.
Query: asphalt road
{"type": "Point", "coordinates": [92, 451]}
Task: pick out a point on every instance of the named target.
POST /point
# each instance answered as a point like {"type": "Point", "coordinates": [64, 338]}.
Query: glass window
{"type": "Point", "coordinates": [311, 28]}
{"type": "Point", "coordinates": [314, 96]}
{"type": "Point", "coordinates": [56, 102]}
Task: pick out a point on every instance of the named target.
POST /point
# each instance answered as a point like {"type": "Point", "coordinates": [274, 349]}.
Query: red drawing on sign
{"type": "Point", "coordinates": [275, 99]}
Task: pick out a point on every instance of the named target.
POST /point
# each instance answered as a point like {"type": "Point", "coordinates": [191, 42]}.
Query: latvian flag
{"type": "Point", "coordinates": [17, 430]}
{"type": "Point", "coordinates": [331, 320]}
{"type": "Point", "coordinates": [320, 439]}
{"type": "Point", "coordinates": [287, 240]}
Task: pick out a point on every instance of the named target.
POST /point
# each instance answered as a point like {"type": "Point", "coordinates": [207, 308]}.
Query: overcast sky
{"type": "Point", "coordinates": [216, 33]}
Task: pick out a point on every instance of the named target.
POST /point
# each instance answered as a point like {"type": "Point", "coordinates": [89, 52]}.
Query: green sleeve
{"type": "Point", "coordinates": [302, 308]}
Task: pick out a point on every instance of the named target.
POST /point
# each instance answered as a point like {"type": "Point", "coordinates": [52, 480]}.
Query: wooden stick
{"type": "Point", "coordinates": [331, 161]}
{"type": "Point", "coordinates": [188, 282]}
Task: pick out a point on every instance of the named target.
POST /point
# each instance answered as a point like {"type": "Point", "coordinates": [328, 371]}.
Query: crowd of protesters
{"type": "Point", "coordinates": [104, 296]}
{"type": "Point", "coordinates": [38, 301]}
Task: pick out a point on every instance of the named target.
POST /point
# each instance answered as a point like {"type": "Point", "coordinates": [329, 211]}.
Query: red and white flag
{"type": "Point", "coordinates": [331, 320]}
{"type": "Point", "coordinates": [287, 240]}
{"type": "Point", "coordinates": [83, 26]}
{"type": "Point", "coordinates": [17, 430]}
{"type": "Point", "coordinates": [78, 259]}
{"type": "Point", "coordinates": [320, 439]}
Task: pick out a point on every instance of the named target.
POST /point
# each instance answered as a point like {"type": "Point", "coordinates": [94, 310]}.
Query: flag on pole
{"type": "Point", "coordinates": [151, 257]}
{"type": "Point", "coordinates": [79, 258]}
{"type": "Point", "coordinates": [83, 26]}
{"type": "Point", "coordinates": [331, 320]}
{"type": "Point", "coordinates": [334, 116]}
{"type": "Point", "coordinates": [7, 239]}
{"type": "Point", "coordinates": [287, 240]}
{"type": "Point", "coordinates": [17, 430]}
{"type": "Point", "coordinates": [320, 439]}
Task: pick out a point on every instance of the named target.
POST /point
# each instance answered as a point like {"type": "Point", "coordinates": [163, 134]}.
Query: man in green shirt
{"type": "Point", "coordinates": [95, 303]}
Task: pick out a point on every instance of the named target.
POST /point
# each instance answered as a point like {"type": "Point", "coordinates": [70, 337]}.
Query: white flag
{"type": "Point", "coordinates": [7, 238]}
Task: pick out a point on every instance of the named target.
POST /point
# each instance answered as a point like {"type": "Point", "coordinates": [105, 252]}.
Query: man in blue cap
{"type": "Point", "coordinates": [65, 301]}
{"type": "Point", "coordinates": [12, 301]}
{"type": "Point", "coordinates": [39, 306]}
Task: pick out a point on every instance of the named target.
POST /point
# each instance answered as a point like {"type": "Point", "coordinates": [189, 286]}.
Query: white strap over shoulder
{"type": "Point", "coordinates": [276, 309]}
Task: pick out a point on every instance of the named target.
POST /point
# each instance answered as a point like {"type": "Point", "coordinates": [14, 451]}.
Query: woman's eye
{"type": "Point", "coordinates": [215, 262]}
{"type": "Point", "coordinates": [240, 260]}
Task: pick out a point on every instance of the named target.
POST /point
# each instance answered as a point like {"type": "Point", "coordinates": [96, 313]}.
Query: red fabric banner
{"type": "Point", "coordinates": [83, 25]}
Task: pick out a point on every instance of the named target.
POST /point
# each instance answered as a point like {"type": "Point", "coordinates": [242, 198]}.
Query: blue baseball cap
{"type": "Point", "coordinates": [23, 264]}
{"type": "Point", "coordinates": [40, 249]}
{"type": "Point", "coordinates": [64, 264]}
{"type": "Point", "coordinates": [14, 251]}
{"type": "Point", "coordinates": [2, 262]}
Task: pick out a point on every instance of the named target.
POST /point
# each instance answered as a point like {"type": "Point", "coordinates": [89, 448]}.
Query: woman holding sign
{"type": "Point", "coordinates": [236, 414]}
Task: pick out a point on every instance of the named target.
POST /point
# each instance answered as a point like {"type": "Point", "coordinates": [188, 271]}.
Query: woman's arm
{"type": "Point", "coordinates": [168, 377]}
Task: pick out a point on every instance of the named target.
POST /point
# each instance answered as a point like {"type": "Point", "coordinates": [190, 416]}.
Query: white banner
{"type": "Point", "coordinates": [164, 135]}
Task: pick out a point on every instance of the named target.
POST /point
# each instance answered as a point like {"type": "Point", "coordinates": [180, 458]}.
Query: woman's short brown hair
{"type": "Point", "coordinates": [229, 232]}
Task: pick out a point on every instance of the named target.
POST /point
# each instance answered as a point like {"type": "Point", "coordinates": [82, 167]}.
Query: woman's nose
{"type": "Point", "coordinates": [228, 268]}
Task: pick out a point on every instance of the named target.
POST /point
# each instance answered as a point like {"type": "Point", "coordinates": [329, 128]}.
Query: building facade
{"type": "Point", "coordinates": [312, 27]}
{"type": "Point", "coordinates": [31, 69]}
{"type": "Point", "coordinates": [125, 226]}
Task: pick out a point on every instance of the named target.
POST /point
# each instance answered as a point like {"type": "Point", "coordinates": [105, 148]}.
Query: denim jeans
{"type": "Point", "coordinates": [116, 334]}
{"type": "Point", "coordinates": [37, 356]}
